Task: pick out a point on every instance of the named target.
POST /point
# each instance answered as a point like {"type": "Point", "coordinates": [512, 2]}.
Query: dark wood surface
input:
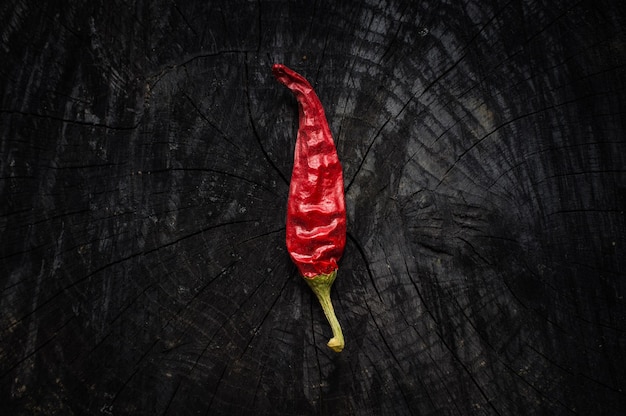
{"type": "Point", "coordinates": [145, 159]}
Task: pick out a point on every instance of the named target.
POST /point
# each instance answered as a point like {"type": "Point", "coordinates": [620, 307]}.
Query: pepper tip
{"type": "Point", "coordinates": [278, 70]}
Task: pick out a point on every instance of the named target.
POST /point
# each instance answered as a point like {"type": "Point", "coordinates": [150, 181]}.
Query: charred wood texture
{"type": "Point", "coordinates": [146, 152]}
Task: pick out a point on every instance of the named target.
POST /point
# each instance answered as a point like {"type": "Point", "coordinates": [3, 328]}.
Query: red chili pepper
{"type": "Point", "coordinates": [316, 211]}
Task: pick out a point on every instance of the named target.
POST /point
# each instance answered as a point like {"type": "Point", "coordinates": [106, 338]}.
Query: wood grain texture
{"type": "Point", "coordinates": [145, 158]}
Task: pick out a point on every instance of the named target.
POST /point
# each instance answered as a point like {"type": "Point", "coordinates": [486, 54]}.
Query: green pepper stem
{"type": "Point", "coordinates": [321, 285]}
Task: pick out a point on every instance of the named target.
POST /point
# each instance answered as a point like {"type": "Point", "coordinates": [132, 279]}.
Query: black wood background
{"type": "Point", "coordinates": [146, 154]}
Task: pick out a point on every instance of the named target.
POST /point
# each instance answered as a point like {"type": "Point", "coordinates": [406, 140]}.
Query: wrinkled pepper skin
{"type": "Point", "coordinates": [316, 211]}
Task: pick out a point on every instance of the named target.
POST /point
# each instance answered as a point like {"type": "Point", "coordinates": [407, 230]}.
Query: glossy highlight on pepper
{"type": "Point", "coordinates": [316, 212]}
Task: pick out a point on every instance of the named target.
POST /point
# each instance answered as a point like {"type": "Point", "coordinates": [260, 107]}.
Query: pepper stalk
{"type": "Point", "coordinates": [321, 285]}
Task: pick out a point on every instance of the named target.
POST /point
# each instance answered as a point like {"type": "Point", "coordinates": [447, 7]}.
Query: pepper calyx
{"type": "Point", "coordinates": [321, 285]}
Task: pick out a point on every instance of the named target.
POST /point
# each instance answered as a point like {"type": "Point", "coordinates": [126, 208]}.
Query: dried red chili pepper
{"type": "Point", "coordinates": [316, 211]}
